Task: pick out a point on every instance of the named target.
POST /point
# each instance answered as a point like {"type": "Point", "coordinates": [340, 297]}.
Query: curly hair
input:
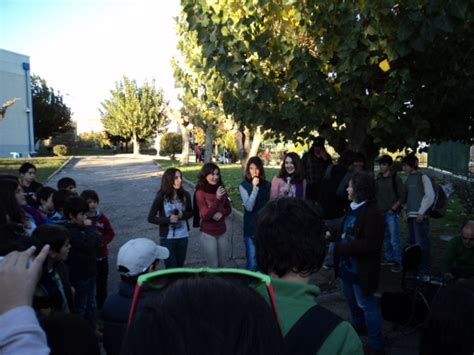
{"type": "Point", "coordinates": [259, 164]}
{"type": "Point", "coordinates": [298, 174]}
{"type": "Point", "coordinates": [207, 169]}
{"type": "Point", "coordinates": [289, 237]}
{"type": "Point", "coordinates": [363, 186]}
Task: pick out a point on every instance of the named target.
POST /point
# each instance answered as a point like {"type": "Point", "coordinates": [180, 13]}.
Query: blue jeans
{"type": "Point", "coordinates": [392, 245]}
{"type": "Point", "coordinates": [365, 312]}
{"type": "Point", "coordinates": [419, 233]}
{"type": "Point", "coordinates": [85, 300]}
{"type": "Point", "coordinates": [178, 248]}
{"type": "Point", "coordinates": [250, 253]}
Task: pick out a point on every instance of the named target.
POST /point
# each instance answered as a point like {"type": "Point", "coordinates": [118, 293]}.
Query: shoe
{"type": "Point", "coordinates": [386, 262]}
{"type": "Point", "coordinates": [396, 268]}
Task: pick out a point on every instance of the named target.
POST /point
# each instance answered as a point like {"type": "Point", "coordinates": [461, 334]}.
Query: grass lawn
{"type": "Point", "coordinates": [45, 165]}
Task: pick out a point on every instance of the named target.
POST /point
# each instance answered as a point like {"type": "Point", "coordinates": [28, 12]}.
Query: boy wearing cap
{"type": "Point", "coordinates": [389, 191]}
{"type": "Point", "coordinates": [136, 257]}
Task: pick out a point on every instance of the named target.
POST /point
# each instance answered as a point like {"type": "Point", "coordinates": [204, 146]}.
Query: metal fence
{"type": "Point", "coordinates": [454, 157]}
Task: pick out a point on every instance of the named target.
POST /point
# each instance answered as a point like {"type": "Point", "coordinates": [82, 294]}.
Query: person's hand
{"type": "Point", "coordinates": [87, 222]}
{"type": "Point", "coordinates": [220, 192]}
{"type": "Point", "coordinates": [255, 181]}
{"type": "Point", "coordinates": [285, 189]}
{"type": "Point", "coordinates": [404, 217]}
{"type": "Point", "coordinates": [419, 218]}
{"type": "Point", "coordinates": [217, 216]}
{"type": "Point", "coordinates": [174, 218]}
{"type": "Point", "coordinates": [18, 280]}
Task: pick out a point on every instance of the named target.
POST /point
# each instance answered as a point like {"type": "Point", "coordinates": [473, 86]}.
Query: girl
{"type": "Point", "coordinates": [214, 205]}
{"type": "Point", "coordinates": [289, 182]}
{"type": "Point", "coordinates": [171, 210]}
{"type": "Point", "coordinates": [255, 193]}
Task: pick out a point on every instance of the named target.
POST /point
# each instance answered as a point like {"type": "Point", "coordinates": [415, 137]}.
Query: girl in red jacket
{"type": "Point", "coordinates": [214, 205]}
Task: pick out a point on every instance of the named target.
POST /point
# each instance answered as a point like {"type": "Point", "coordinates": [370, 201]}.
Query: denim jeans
{"type": "Point", "coordinates": [365, 312]}
{"type": "Point", "coordinates": [178, 248]}
{"type": "Point", "coordinates": [250, 253]}
{"type": "Point", "coordinates": [419, 233]}
{"type": "Point", "coordinates": [101, 281]}
{"type": "Point", "coordinates": [392, 245]}
{"type": "Point", "coordinates": [85, 300]}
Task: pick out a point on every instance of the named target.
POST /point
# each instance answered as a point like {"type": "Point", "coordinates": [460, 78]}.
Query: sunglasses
{"type": "Point", "coordinates": [162, 278]}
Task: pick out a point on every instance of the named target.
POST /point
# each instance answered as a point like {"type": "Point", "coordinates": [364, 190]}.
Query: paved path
{"type": "Point", "coordinates": [127, 186]}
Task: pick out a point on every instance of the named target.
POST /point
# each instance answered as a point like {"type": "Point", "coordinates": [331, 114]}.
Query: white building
{"type": "Point", "coordinates": [16, 125]}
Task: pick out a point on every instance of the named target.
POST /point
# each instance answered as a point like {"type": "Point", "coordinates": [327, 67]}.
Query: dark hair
{"type": "Point", "coordinates": [65, 182]}
{"type": "Point", "coordinates": [51, 234]}
{"type": "Point", "coordinates": [75, 205]}
{"type": "Point", "coordinates": [8, 199]}
{"type": "Point", "coordinates": [411, 160]}
{"type": "Point", "coordinates": [298, 174]}
{"type": "Point", "coordinates": [205, 314]}
{"type": "Point", "coordinates": [450, 326]}
{"type": "Point", "coordinates": [363, 186]}
{"type": "Point", "coordinates": [207, 169]}
{"type": "Point", "coordinates": [25, 167]}
{"type": "Point", "coordinates": [259, 164]}
{"type": "Point", "coordinates": [167, 181]}
{"type": "Point", "coordinates": [44, 192]}
{"type": "Point", "coordinates": [90, 195]}
{"type": "Point", "coordinates": [60, 197]}
{"type": "Point", "coordinates": [358, 156]}
{"type": "Point", "coordinates": [79, 338]}
{"type": "Point", "coordinates": [289, 237]}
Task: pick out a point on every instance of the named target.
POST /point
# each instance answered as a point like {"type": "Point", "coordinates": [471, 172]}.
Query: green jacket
{"type": "Point", "coordinates": [293, 299]}
{"type": "Point", "coordinates": [458, 256]}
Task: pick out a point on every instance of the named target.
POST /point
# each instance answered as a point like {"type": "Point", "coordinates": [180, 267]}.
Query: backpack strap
{"type": "Point", "coordinates": [310, 332]}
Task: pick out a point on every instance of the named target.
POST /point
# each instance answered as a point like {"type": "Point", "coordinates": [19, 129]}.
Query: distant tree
{"type": "Point", "coordinates": [51, 116]}
{"type": "Point", "coordinates": [134, 112]}
{"type": "Point", "coordinates": [171, 144]}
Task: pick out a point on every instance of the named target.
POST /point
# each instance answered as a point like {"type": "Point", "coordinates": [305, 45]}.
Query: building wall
{"type": "Point", "coordinates": [16, 128]}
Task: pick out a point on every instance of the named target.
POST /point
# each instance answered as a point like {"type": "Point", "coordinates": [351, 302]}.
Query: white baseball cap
{"type": "Point", "coordinates": [138, 254]}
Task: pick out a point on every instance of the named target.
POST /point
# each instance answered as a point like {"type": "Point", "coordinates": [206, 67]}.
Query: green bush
{"type": "Point", "coordinates": [170, 144]}
{"type": "Point", "coordinates": [60, 150]}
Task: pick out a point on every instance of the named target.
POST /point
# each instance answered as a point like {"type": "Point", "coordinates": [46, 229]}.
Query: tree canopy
{"type": "Point", "coordinates": [51, 116]}
{"type": "Point", "coordinates": [134, 112]}
{"type": "Point", "coordinates": [364, 74]}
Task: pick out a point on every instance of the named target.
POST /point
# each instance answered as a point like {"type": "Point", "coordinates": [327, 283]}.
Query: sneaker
{"type": "Point", "coordinates": [396, 268]}
{"type": "Point", "coordinates": [386, 262]}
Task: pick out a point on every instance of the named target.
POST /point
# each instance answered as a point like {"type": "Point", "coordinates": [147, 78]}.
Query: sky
{"type": "Point", "coordinates": [81, 48]}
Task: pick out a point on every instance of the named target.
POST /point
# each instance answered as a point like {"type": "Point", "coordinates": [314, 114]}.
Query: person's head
{"type": "Point", "coordinates": [27, 172]}
{"type": "Point", "coordinates": [359, 161]}
{"type": "Point", "coordinates": [58, 239]}
{"type": "Point", "coordinates": [361, 187]}
{"type": "Point", "coordinates": [289, 238]}
{"type": "Point", "coordinates": [204, 314]}
{"type": "Point", "coordinates": [79, 338]}
{"type": "Point", "coordinates": [385, 163]}
{"type": "Point", "coordinates": [92, 199]}
{"type": "Point", "coordinates": [291, 167]}
{"type": "Point", "coordinates": [254, 168]}
{"type": "Point", "coordinates": [12, 198]}
{"type": "Point", "coordinates": [172, 183]}
{"type": "Point", "coordinates": [139, 256]}
{"type": "Point", "coordinates": [318, 144]}
{"type": "Point", "coordinates": [75, 209]}
{"type": "Point", "coordinates": [409, 163]}
{"type": "Point", "coordinates": [450, 326]}
{"type": "Point", "coordinates": [67, 183]}
{"type": "Point", "coordinates": [44, 196]}
{"type": "Point", "coordinates": [60, 197]}
{"type": "Point", "coordinates": [210, 174]}
{"type": "Point", "coordinates": [468, 235]}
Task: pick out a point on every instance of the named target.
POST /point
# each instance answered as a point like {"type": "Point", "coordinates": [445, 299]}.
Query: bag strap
{"type": "Point", "coordinates": [310, 332]}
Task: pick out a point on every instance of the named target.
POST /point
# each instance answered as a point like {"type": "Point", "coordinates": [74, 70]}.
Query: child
{"type": "Point", "coordinates": [104, 228]}
{"type": "Point", "coordinates": [59, 199]}
{"type": "Point", "coordinates": [44, 196]}
{"type": "Point", "coordinates": [27, 173]}
{"type": "Point", "coordinates": [54, 292]}
{"type": "Point", "coordinates": [81, 261]}
{"type": "Point", "coordinates": [68, 184]}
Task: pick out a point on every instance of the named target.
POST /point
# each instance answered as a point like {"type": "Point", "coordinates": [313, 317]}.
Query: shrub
{"type": "Point", "coordinates": [60, 150]}
{"type": "Point", "coordinates": [170, 144]}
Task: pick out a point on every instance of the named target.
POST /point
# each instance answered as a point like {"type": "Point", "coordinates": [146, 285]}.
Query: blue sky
{"type": "Point", "coordinates": [82, 47]}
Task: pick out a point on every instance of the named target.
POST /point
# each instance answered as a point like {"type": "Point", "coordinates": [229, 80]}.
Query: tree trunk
{"type": "Point", "coordinates": [208, 144]}
{"type": "Point", "coordinates": [185, 151]}
{"type": "Point", "coordinates": [136, 145]}
{"type": "Point", "coordinates": [359, 141]}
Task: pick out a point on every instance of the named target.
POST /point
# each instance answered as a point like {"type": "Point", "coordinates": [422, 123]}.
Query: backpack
{"type": "Point", "coordinates": [440, 203]}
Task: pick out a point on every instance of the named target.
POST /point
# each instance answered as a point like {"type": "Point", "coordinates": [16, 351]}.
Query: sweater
{"type": "Point", "coordinates": [104, 228]}
{"type": "Point", "coordinates": [253, 199]}
{"type": "Point", "coordinates": [419, 194]}
{"type": "Point", "coordinates": [385, 190]}
{"type": "Point", "coordinates": [208, 206]}
{"type": "Point", "coordinates": [457, 256]}
{"type": "Point", "coordinates": [280, 188]}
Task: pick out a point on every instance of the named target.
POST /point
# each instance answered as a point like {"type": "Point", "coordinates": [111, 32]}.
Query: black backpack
{"type": "Point", "coordinates": [440, 203]}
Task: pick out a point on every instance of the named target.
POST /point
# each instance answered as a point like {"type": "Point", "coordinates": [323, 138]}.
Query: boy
{"type": "Point", "coordinates": [67, 183]}
{"type": "Point", "coordinates": [290, 247]}
{"type": "Point", "coordinates": [81, 261]}
{"type": "Point", "coordinates": [54, 292]}
{"type": "Point", "coordinates": [104, 229]}
{"type": "Point", "coordinates": [59, 199]}
{"type": "Point", "coordinates": [27, 173]}
{"type": "Point", "coordinates": [44, 196]}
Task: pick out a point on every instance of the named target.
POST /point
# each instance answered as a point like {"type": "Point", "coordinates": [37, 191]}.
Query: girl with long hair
{"type": "Point", "coordinates": [255, 193]}
{"type": "Point", "coordinates": [214, 206]}
{"type": "Point", "coordinates": [290, 180]}
{"type": "Point", "coordinates": [171, 210]}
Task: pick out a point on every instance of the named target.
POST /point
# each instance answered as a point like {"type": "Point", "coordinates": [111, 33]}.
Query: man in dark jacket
{"type": "Point", "coordinates": [315, 162]}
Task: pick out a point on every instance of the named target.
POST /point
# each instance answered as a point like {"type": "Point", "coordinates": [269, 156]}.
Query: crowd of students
{"type": "Point", "coordinates": [314, 211]}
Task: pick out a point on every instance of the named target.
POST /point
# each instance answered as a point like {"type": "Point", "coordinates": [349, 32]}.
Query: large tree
{"type": "Point", "coordinates": [51, 116]}
{"type": "Point", "coordinates": [366, 74]}
{"type": "Point", "coordinates": [134, 111]}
